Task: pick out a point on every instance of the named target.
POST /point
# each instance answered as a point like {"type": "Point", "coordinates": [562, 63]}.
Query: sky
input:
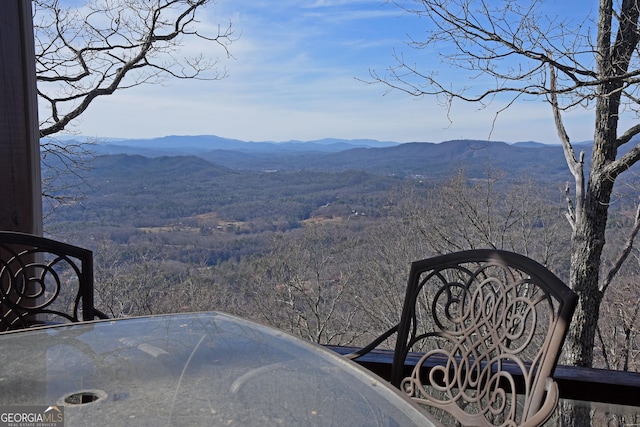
{"type": "Point", "coordinates": [299, 71]}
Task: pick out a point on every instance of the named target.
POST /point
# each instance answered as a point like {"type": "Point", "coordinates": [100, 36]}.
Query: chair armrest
{"type": "Point", "coordinates": [373, 344]}
{"type": "Point", "coordinates": [99, 314]}
{"type": "Point", "coordinates": [547, 408]}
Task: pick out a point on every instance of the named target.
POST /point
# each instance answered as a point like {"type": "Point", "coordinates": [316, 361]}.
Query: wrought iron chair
{"type": "Point", "coordinates": [490, 325]}
{"type": "Point", "coordinates": [44, 281]}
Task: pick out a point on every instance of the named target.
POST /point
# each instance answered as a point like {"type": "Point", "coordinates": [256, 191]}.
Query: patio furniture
{"type": "Point", "coordinates": [193, 369]}
{"type": "Point", "coordinates": [481, 318]}
{"type": "Point", "coordinates": [44, 281]}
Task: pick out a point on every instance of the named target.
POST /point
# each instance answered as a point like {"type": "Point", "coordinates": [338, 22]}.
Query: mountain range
{"type": "Point", "coordinates": [528, 159]}
{"type": "Point", "coordinates": [178, 145]}
{"type": "Point", "coordinates": [249, 189]}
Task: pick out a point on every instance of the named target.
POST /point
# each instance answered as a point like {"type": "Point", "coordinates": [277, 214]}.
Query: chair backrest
{"type": "Point", "coordinates": [483, 319]}
{"type": "Point", "coordinates": [43, 281]}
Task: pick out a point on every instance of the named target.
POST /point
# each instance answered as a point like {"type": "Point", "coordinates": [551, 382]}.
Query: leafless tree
{"type": "Point", "coordinates": [524, 52]}
{"type": "Point", "coordinates": [306, 285]}
{"type": "Point", "coordinates": [462, 213]}
{"type": "Point", "coordinates": [107, 45]}
{"type": "Point", "coordinates": [90, 51]}
{"type": "Point", "coordinates": [138, 283]}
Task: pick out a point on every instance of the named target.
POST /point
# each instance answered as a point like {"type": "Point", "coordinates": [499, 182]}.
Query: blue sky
{"type": "Point", "coordinates": [295, 75]}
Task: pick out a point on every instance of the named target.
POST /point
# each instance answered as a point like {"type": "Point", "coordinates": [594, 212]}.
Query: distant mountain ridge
{"type": "Point", "coordinates": [180, 145]}
{"type": "Point", "coordinates": [418, 159]}
{"type": "Point", "coordinates": [525, 159]}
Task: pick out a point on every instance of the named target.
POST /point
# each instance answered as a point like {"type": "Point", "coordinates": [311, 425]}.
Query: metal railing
{"type": "Point", "coordinates": [574, 383]}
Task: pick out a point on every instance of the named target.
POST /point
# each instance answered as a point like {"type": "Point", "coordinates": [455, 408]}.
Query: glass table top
{"type": "Point", "coordinates": [190, 370]}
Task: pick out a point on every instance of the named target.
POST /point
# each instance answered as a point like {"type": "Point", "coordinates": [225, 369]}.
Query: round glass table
{"type": "Point", "coordinates": [189, 370]}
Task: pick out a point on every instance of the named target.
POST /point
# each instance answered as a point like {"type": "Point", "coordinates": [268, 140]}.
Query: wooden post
{"type": "Point", "coordinates": [20, 180]}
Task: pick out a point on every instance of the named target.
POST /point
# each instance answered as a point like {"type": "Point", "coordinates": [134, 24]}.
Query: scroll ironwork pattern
{"type": "Point", "coordinates": [486, 320]}
{"type": "Point", "coordinates": [43, 284]}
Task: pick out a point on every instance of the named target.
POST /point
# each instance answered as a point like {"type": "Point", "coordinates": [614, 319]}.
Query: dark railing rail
{"type": "Point", "coordinates": [575, 383]}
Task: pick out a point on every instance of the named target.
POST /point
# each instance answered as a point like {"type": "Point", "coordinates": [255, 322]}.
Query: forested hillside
{"type": "Point", "coordinates": [322, 251]}
{"type": "Point", "coordinates": [138, 201]}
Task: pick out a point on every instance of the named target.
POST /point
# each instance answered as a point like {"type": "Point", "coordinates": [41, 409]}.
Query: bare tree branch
{"type": "Point", "coordinates": [109, 45]}
{"type": "Point", "coordinates": [576, 167]}
{"type": "Point", "coordinates": [513, 44]}
{"type": "Point", "coordinates": [624, 254]}
{"type": "Point", "coordinates": [521, 48]}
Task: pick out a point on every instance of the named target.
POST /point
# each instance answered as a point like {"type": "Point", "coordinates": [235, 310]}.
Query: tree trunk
{"type": "Point", "coordinates": [588, 238]}
{"type": "Point", "coordinates": [587, 243]}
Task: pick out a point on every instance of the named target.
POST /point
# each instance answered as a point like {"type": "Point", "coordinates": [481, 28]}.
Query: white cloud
{"type": "Point", "coordinates": [293, 76]}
